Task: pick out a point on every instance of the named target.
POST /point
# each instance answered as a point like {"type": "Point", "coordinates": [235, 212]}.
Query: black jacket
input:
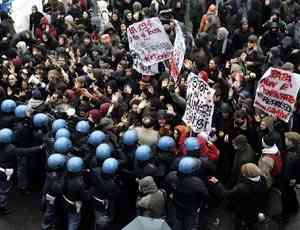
{"type": "Point", "coordinates": [190, 192]}
{"type": "Point", "coordinates": [104, 192]}
{"type": "Point", "coordinates": [10, 152]}
{"type": "Point", "coordinates": [248, 197]}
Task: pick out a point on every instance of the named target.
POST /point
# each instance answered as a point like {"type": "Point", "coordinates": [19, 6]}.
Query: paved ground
{"type": "Point", "coordinates": [26, 215]}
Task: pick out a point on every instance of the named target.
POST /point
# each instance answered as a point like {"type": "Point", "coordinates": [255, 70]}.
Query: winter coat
{"type": "Point", "coordinates": [152, 202]}
{"type": "Point", "coordinates": [248, 197]}
{"type": "Point", "coordinates": [190, 193]}
{"type": "Point", "coordinates": [242, 156]}
{"type": "Point", "coordinates": [291, 168]}
{"type": "Point", "coordinates": [266, 163]}
{"type": "Point", "coordinates": [34, 20]}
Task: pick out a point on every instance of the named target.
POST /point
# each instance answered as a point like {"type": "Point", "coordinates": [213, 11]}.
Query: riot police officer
{"type": "Point", "coordinates": [52, 190]}
{"type": "Point", "coordinates": [190, 194]}
{"type": "Point", "coordinates": [143, 165]}
{"type": "Point", "coordinates": [7, 113]}
{"type": "Point", "coordinates": [74, 192]}
{"type": "Point", "coordinates": [104, 193]}
{"type": "Point", "coordinates": [80, 137]}
{"type": "Point", "coordinates": [23, 136]}
{"type": "Point", "coordinates": [94, 140]}
{"type": "Point", "coordinates": [8, 155]}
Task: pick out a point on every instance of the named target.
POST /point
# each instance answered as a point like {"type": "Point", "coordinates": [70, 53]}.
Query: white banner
{"type": "Point", "coordinates": [148, 42]}
{"type": "Point", "coordinates": [199, 104]}
{"type": "Point", "coordinates": [177, 58]}
{"type": "Point", "coordinates": [277, 92]}
{"type": "Point", "coordinates": [146, 70]}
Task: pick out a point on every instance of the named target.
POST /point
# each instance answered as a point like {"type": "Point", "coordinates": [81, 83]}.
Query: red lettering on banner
{"type": "Point", "coordinates": [269, 83]}
{"type": "Point", "coordinates": [277, 74]}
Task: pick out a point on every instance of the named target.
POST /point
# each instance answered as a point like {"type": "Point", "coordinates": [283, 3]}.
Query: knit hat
{"type": "Point", "coordinates": [293, 137]}
{"type": "Point", "coordinates": [104, 108]}
{"type": "Point", "coordinates": [288, 66]}
{"type": "Point", "coordinates": [95, 115]}
{"type": "Point", "coordinates": [240, 141]}
{"type": "Point", "coordinates": [203, 75]}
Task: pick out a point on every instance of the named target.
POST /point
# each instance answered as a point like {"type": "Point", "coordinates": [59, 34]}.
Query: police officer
{"type": "Point", "coordinates": [94, 140]}
{"type": "Point", "coordinates": [52, 190]}
{"type": "Point", "coordinates": [23, 136]}
{"type": "Point", "coordinates": [80, 137]}
{"type": "Point", "coordinates": [165, 154]}
{"type": "Point", "coordinates": [8, 155]}
{"type": "Point", "coordinates": [74, 192]}
{"type": "Point", "coordinates": [192, 146]}
{"type": "Point", "coordinates": [143, 165]}
{"type": "Point", "coordinates": [104, 193]}
{"type": "Point", "coordinates": [63, 145]}
{"type": "Point", "coordinates": [7, 113]}
{"type": "Point", "coordinates": [103, 152]}
{"type": "Point", "coordinates": [51, 137]}
{"type": "Point", "coordinates": [41, 128]}
{"type": "Point", "coordinates": [129, 146]}
{"type": "Point", "coordinates": [63, 132]}
{"type": "Point", "coordinates": [190, 194]}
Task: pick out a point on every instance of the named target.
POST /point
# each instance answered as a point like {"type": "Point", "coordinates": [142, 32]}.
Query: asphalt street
{"type": "Point", "coordinates": [26, 215]}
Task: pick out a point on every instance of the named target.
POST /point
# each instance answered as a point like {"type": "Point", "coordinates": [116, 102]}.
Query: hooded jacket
{"type": "Point", "coordinates": [152, 202]}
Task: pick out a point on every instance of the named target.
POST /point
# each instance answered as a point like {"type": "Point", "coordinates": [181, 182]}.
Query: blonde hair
{"type": "Point", "coordinates": [250, 170]}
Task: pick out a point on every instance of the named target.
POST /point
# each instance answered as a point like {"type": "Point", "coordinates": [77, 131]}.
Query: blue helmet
{"type": "Point", "coordinates": [40, 120]}
{"type": "Point", "coordinates": [6, 136]}
{"type": "Point", "coordinates": [130, 137]}
{"type": "Point", "coordinates": [20, 111]}
{"type": "Point", "coordinates": [143, 153]}
{"type": "Point", "coordinates": [96, 138]}
{"type": "Point", "coordinates": [110, 166]}
{"type": "Point", "coordinates": [75, 165]}
{"type": "Point", "coordinates": [63, 132]}
{"type": "Point", "coordinates": [166, 143]}
{"type": "Point", "coordinates": [192, 144]}
{"type": "Point", "coordinates": [62, 145]}
{"type": "Point", "coordinates": [83, 127]}
{"type": "Point", "coordinates": [188, 165]}
{"type": "Point", "coordinates": [58, 124]}
{"type": "Point", "coordinates": [103, 151]}
{"type": "Point", "coordinates": [8, 106]}
{"type": "Point", "coordinates": [56, 161]}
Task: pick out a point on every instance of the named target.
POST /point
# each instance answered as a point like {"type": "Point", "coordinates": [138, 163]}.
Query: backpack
{"type": "Point", "coordinates": [278, 164]}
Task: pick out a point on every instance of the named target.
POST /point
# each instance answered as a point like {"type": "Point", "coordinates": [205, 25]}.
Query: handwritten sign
{"type": "Point", "coordinates": [199, 104]}
{"type": "Point", "coordinates": [148, 42]}
{"type": "Point", "coordinates": [276, 93]}
{"type": "Point", "coordinates": [177, 58]}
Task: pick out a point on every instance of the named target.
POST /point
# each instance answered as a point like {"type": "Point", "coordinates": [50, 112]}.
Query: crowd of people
{"type": "Point", "coordinates": [108, 144]}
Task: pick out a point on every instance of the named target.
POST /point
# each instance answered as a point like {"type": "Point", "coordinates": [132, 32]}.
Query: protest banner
{"type": "Point", "coordinates": [149, 42]}
{"type": "Point", "coordinates": [146, 70]}
{"type": "Point", "coordinates": [199, 104]}
{"type": "Point", "coordinates": [276, 93]}
{"type": "Point", "coordinates": [177, 58]}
